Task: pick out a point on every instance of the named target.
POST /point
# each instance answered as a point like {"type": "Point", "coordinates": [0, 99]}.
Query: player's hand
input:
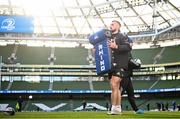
{"type": "Point", "coordinates": [112, 44]}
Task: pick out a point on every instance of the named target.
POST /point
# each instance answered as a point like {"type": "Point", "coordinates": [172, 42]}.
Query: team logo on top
{"type": "Point", "coordinates": [8, 24]}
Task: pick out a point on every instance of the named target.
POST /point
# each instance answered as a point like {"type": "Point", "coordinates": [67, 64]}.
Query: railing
{"type": "Point", "coordinates": [0, 70]}
{"type": "Point", "coordinates": [83, 91]}
{"type": "Point", "coordinates": [81, 70]}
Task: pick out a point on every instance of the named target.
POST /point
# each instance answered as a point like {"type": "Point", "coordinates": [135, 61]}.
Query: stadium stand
{"type": "Point", "coordinates": [146, 59]}
{"type": "Point", "coordinates": [5, 52]}
{"type": "Point", "coordinates": [78, 56]}
{"type": "Point", "coordinates": [171, 54]}
{"type": "Point", "coordinates": [142, 84]}
{"type": "Point", "coordinates": [33, 55]}
{"type": "Point", "coordinates": [24, 85]}
{"type": "Point", "coordinates": [101, 85]}
{"type": "Point", "coordinates": [84, 85]}
{"type": "Point", "coordinates": [71, 56]}
{"type": "Point", "coordinates": [71, 85]}
{"type": "Point", "coordinates": [4, 85]}
{"type": "Point", "coordinates": [167, 84]}
{"type": "Point", "coordinates": [40, 55]}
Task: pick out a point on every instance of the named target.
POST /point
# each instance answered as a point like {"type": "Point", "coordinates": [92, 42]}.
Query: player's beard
{"type": "Point", "coordinates": [112, 30]}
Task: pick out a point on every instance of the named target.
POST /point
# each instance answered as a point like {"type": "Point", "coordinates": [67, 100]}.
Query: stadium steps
{"type": "Point", "coordinates": [90, 83]}
{"type": "Point", "coordinates": [50, 86]}
{"type": "Point", "coordinates": [9, 85]}
{"type": "Point", "coordinates": [158, 56]}
{"type": "Point", "coordinates": [154, 83]}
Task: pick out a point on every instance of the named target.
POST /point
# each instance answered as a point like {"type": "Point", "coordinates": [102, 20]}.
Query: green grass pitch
{"type": "Point", "coordinates": [91, 115]}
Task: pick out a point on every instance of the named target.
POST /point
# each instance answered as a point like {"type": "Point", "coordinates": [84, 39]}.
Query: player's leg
{"type": "Point", "coordinates": [115, 95]}
{"type": "Point", "coordinates": [131, 98]}
{"type": "Point", "coordinates": [130, 93]}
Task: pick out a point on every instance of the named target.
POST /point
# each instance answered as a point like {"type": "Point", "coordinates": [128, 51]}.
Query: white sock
{"type": "Point", "coordinates": [113, 106]}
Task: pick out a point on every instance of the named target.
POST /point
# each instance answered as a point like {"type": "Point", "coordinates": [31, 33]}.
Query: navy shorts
{"type": "Point", "coordinates": [120, 72]}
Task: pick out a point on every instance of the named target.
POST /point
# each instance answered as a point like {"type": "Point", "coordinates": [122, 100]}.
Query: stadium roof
{"type": "Point", "coordinates": [82, 17]}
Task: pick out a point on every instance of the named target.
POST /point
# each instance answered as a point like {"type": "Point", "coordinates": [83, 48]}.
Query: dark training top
{"type": "Point", "coordinates": [120, 56]}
